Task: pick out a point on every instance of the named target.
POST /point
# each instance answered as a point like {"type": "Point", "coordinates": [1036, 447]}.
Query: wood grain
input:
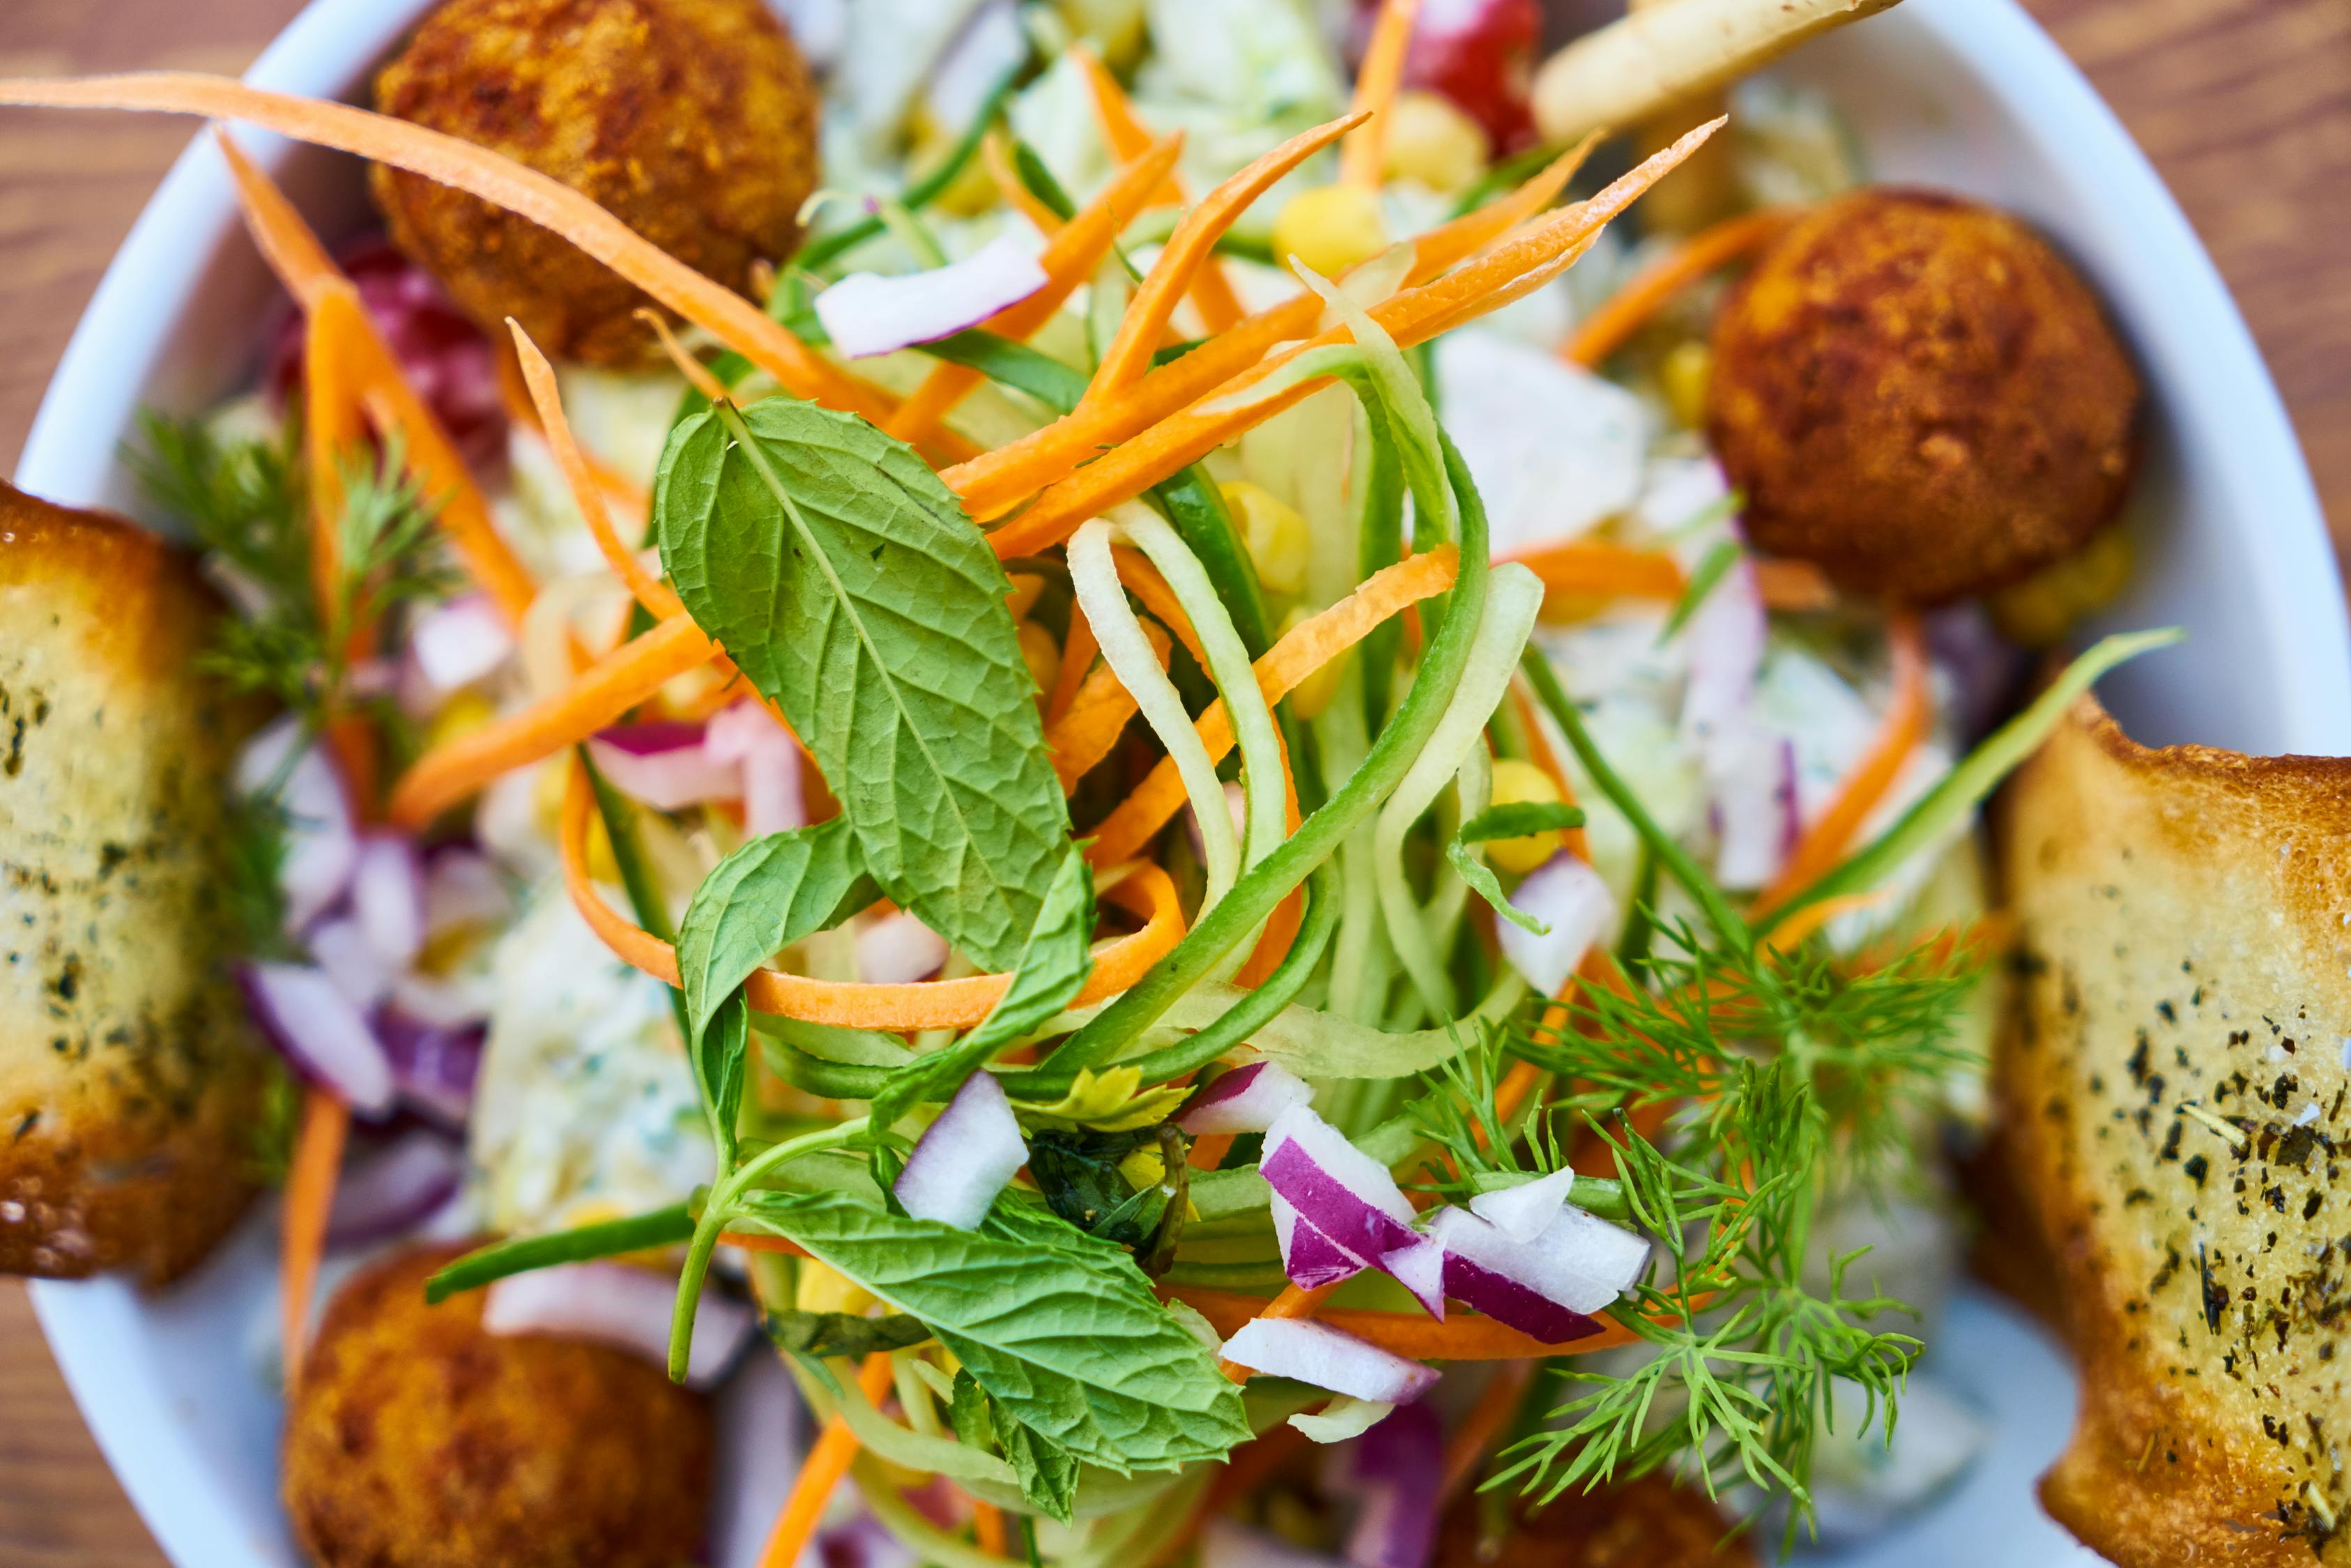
{"type": "Point", "coordinates": [2245, 106]}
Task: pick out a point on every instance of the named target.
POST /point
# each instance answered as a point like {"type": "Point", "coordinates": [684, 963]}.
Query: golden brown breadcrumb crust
{"type": "Point", "coordinates": [1916, 393]}
{"type": "Point", "coordinates": [130, 1081]}
{"type": "Point", "coordinates": [694, 122]}
{"type": "Point", "coordinates": [1645, 1524]}
{"type": "Point", "coordinates": [2174, 1090]}
{"type": "Point", "coordinates": [415, 1439]}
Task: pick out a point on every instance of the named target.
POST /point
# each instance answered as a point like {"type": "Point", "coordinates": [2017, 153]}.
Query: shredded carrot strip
{"type": "Point", "coordinates": [301, 263]}
{"type": "Point", "coordinates": [1790, 933]}
{"type": "Point", "coordinates": [697, 374]}
{"type": "Point", "coordinates": [1592, 569]}
{"type": "Point", "coordinates": [631, 496]}
{"type": "Point", "coordinates": [331, 429]}
{"type": "Point", "coordinates": [1376, 83]}
{"type": "Point", "coordinates": [609, 687]}
{"type": "Point", "coordinates": [1307, 648]}
{"type": "Point", "coordinates": [309, 1196]}
{"type": "Point", "coordinates": [1097, 715]}
{"type": "Point", "coordinates": [987, 1527]}
{"type": "Point", "coordinates": [1507, 273]}
{"type": "Point", "coordinates": [995, 482]}
{"type": "Point", "coordinates": [1192, 243]}
{"type": "Point", "coordinates": [1208, 1151]}
{"type": "Point", "coordinates": [1899, 732]}
{"type": "Point", "coordinates": [1295, 1302]}
{"type": "Point", "coordinates": [1473, 1441]}
{"type": "Point", "coordinates": [1127, 136]}
{"type": "Point", "coordinates": [924, 1004]}
{"type": "Point", "coordinates": [1070, 258]}
{"type": "Point", "coordinates": [495, 179]}
{"type": "Point", "coordinates": [1078, 650]}
{"type": "Point", "coordinates": [1142, 578]}
{"type": "Point", "coordinates": [996, 151]}
{"type": "Point", "coordinates": [752, 1241]}
{"type": "Point", "coordinates": [1416, 1336]}
{"type": "Point", "coordinates": [1612, 326]}
{"type": "Point", "coordinates": [828, 1460]}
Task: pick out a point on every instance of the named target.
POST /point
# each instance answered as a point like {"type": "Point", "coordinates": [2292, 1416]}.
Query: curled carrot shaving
{"type": "Point", "coordinates": [1192, 243]}
{"type": "Point", "coordinates": [495, 179]}
{"type": "Point", "coordinates": [309, 1196]}
{"type": "Point", "coordinates": [1208, 1151]}
{"type": "Point", "coordinates": [924, 1004]}
{"type": "Point", "coordinates": [828, 1460]}
{"type": "Point", "coordinates": [609, 687]}
{"type": "Point", "coordinates": [987, 1527]}
{"type": "Point", "coordinates": [1295, 1302]}
{"type": "Point", "coordinates": [1127, 136]}
{"type": "Point", "coordinates": [1142, 580]}
{"type": "Point", "coordinates": [1070, 258]}
{"type": "Point", "coordinates": [630, 495]}
{"type": "Point", "coordinates": [1097, 715]}
{"type": "Point", "coordinates": [1078, 650]}
{"type": "Point", "coordinates": [1375, 90]}
{"type": "Point", "coordinates": [374, 375]}
{"type": "Point", "coordinates": [1612, 326]}
{"type": "Point", "coordinates": [1899, 732]}
{"type": "Point", "coordinates": [332, 432]}
{"type": "Point", "coordinates": [1508, 272]}
{"type": "Point", "coordinates": [1790, 933]}
{"type": "Point", "coordinates": [1306, 648]}
{"type": "Point", "coordinates": [1415, 1336]}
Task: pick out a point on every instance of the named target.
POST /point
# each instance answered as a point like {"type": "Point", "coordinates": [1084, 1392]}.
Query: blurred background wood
{"type": "Point", "coordinates": [2245, 106]}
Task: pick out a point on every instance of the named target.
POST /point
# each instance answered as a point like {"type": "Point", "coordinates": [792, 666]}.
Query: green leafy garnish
{"type": "Point", "coordinates": [847, 583]}
{"type": "Point", "coordinates": [606, 1239]}
{"type": "Point", "coordinates": [823, 1334]}
{"type": "Point", "coordinates": [767, 896]}
{"type": "Point", "coordinates": [1515, 821]}
{"type": "Point", "coordinates": [1710, 571]}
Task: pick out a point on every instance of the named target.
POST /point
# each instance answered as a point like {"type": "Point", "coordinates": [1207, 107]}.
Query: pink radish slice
{"type": "Point", "coordinates": [1525, 1211]}
{"type": "Point", "coordinates": [1246, 1099]}
{"type": "Point", "coordinates": [1572, 905]}
{"type": "Point", "coordinates": [964, 1158]}
{"type": "Point", "coordinates": [1396, 1469]}
{"type": "Point", "coordinates": [388, 898]}
{"type": "Point", "coordinates": [865, 313]}
{"type": "Point", "coordinates": [1308, 1351]}
{"type": "Point", "coordinates": [896, 948]}
{"type": "Point", "coordinates": [458, 643]}
{"type": "Point", "coordinates": [320, 1031]}
{"type": "Point", "coordinates": [395, 1189]}
{"type": "Point", "coordinates": [746, 735]}
{"type": "Point", "coordinates": [620, 1306]}
{"type": "Point", "coordinates": [1347, 1196]}
{"type": "Point", "coordinates": [664, 765]}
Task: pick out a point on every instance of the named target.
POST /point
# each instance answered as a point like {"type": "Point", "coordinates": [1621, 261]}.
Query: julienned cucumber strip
{"type": "Point", "coordinates": [610, 1239]}
{"type": "Point", "coordinates": [922, 192]}
{"type": "Point", "coordinates": [1977, 776]}
{"type": "Point", "coordinates": [1253, 897]}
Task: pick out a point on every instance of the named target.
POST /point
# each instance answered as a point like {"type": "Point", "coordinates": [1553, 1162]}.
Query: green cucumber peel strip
{"type": "Point", "coordinates": [1710, 571]}
{"type": "Point", "coordinates": [580, 1244]}
{"type": "Point", "coordinates": [922, 192]}
{"type": "Point", "coordinates": [1977, 776]}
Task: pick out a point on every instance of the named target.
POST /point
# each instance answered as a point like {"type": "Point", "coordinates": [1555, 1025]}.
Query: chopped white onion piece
{"type": "Point", "coordinates": [458, 643]}
{"type": "Point", "coordinates": [1573, 905]}
{"type": "Point", "coordinates": [321, 847]}
{"type": "Point", "coordinates": [620, 1306]}
{"type": "Point", "coordinates": [964, 1157]}
{"type": "Point", "coordinates": [865, 313]}
{"type": "Point", "coordinates": [746, 735]}
{"type": "Point", "coordinates": [1246, 1099]}
{"type": "Point", "coordinates": [1345, 1416]}
{"type": "Point", "coordinates": [1526, 1210]}
{"type": "Point", "coordinates": [1228, 1543]}
{"type": "Point", "coordinates": [896, 948]}
{"type": "Point", "coordinates": [341, 948]}
{"type": "Point", "coordinates": [1308, 1351]}
{"type": "Point", "coordinates": [1579, 1263]}
{"type": "Point", "coordinates": [1349, 1197]}
{"type": "Point", "coordinates": [388, 897]}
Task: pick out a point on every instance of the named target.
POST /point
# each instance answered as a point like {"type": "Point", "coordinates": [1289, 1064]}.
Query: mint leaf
{"type": "Point", "coordinates": [1053, 970]}
{"type": "Point", "coordinates": [767, 894]}
{"type": "Point", "coordinates": [846, 581]}
{"type": "Point", "coordinates": [719, 1053]}
{"type": "Point", "coordinates": [821, 1335]}
{"type": "Point", "coordinates": [1071, 1344]}
{"type": "Point", "coordinates": [1047, 1474]}
{"type": "Point", "coordinates": [967, 1414]}
{"type": "Point", "coordinates": [1514, 820]}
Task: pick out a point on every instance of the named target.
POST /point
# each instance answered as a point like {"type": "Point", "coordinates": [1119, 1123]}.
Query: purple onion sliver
{"type": "Point", "coordinates": [1399, 1466]}
{"type": "Point", "coordinates": [1507, 1300]}
{"type": "Point", "coordinates": [1247, 1100]}
{"type": "Point", "coordinates": [319, 1032]}
{"type": "Point", "coordinates": [620, 1306]}
{"type": "Point", "coordinates": [1309, 1258]}
{"type": "Point", "coordinates": [388, 897]}
{"type": "Point", "coordinates": [433, 1066]}
{"type": "Point", "coordinates": [395, 1189]}
{"type": "Point", "coordinates": [1317, 1353]}
{"type": "Point", "coordinates": [1328, 1203]}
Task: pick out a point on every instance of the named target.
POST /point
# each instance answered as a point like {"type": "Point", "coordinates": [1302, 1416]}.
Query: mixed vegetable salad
{"type": "Point", "coordinates": [1161, 817]}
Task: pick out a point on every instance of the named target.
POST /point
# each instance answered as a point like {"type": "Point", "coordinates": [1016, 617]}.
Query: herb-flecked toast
{"type": "Point", "coordinates": [2175, 1083]}
{"type": "Point", "coordinates": [129, 1080]}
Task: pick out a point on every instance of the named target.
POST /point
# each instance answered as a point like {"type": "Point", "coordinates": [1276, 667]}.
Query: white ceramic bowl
{"type": "Point", "coordinates": [1963, 93]}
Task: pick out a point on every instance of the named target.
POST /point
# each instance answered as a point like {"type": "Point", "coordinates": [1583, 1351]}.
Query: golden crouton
{"type": "Point", "coordinates": [2175, 1093]}
{"type": "Point", "coordinates": [129, 1080]}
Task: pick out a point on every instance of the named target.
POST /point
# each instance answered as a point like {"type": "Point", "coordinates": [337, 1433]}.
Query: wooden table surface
{"type": "Point", "coordinates": [2245, 106]}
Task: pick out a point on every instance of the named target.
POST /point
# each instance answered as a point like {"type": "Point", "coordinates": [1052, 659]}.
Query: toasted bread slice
{"type": "Point", "coordinates": [129, 1080]}
{"type": "Point", "coordinates": [2175, 1092]}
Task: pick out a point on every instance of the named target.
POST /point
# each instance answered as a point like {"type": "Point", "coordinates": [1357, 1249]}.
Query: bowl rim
{"type": "Point", "coordinates": [148, 289]}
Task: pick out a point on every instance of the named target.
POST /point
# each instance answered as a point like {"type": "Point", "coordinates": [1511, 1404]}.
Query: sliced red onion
{"type": "Point", "coordinates": [321, 848]}
{"type": "Point", "coordinates": [1228, 1543]}
{"type": "Point", "coordinates": [865, 313]}
{"type": "Point", "coordinates": [388, 897]}
{"type": "Point", "coordinates": [462, 887]}
{"type": "Point", "coordinates": [1572, 905]}
{"type": "Point", "coordinates": [395, 1189]}
{"type": "Point", "coordinates": [1724, 639]}
{"type": "Point", "coordinates": [1755, 812]}
{"type": "Point", "coordinates": [433, 1066]}
{"type": "Point", "coordinates": [861, 1541]}
{"type": "Point", "coordinates": [320, 1031]}
{"type": "Point", "coordinates": [1397, 1468]}
{"type": "Point", "coordinates": [341, 948]}
{"type": "Point", "coordinates": [1350, 1197]}
{"type": "Point", "coordinates": [622, 1306]}
{"type": "Point", "coordinates": [1547, 1287]}
{"type": "Point", "coordinates": [1246, 1099]}
{"type": "Point", "coordinates": [746, 735]}
{"type": "Point", "coordinates": [1525, 1211]}
{"type": "Point", "coordinates": [664, 765]}
{"type": "Point", "coordinates": [1310, 1258]}
{"type": "Point", "coordinates": [1308, 1351]}
{"type": "Point", "coordinates": [964, 1158]}
{"type": "Point", "coordinates": [990, 45]}
{"type": "Point", "coordinates": [760, 1444]}
{"type": "Point", "coordinates": [458, 643]}
{"type": "Point", "coordinates": [896, 949]}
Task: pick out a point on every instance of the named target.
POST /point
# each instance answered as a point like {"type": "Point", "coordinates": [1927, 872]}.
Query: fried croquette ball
{"type": "Point", "coordinates": [693, 121]}
{"type": "Point", "coordinates": [1917, 395]}
{"type": "Point", "coordinates": [416, 1439]}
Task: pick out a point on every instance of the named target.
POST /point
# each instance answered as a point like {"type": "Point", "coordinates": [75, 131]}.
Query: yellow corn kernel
{"type": "Point", "coordinates": [1309, 696]}
{"type": "Point", "coordinates": [1330, 229]}
{"type": "Point", "coordinates": [824, 1289]}
{"type": "Point", "coordinates": [1430, 140]}
{"type": "Point", "coordinates": [1275, 532]}
{"type": "Point", "coordinates": [1518, 783]}
{"type": "Point", "coordinates": [1041, 653]}
{"type": "Point", "coordinates": [459, 717]}
{"type": "Point", "coordinates": [2041, 609]}
{"type": "Point", "coordinates": [1683, 375]}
